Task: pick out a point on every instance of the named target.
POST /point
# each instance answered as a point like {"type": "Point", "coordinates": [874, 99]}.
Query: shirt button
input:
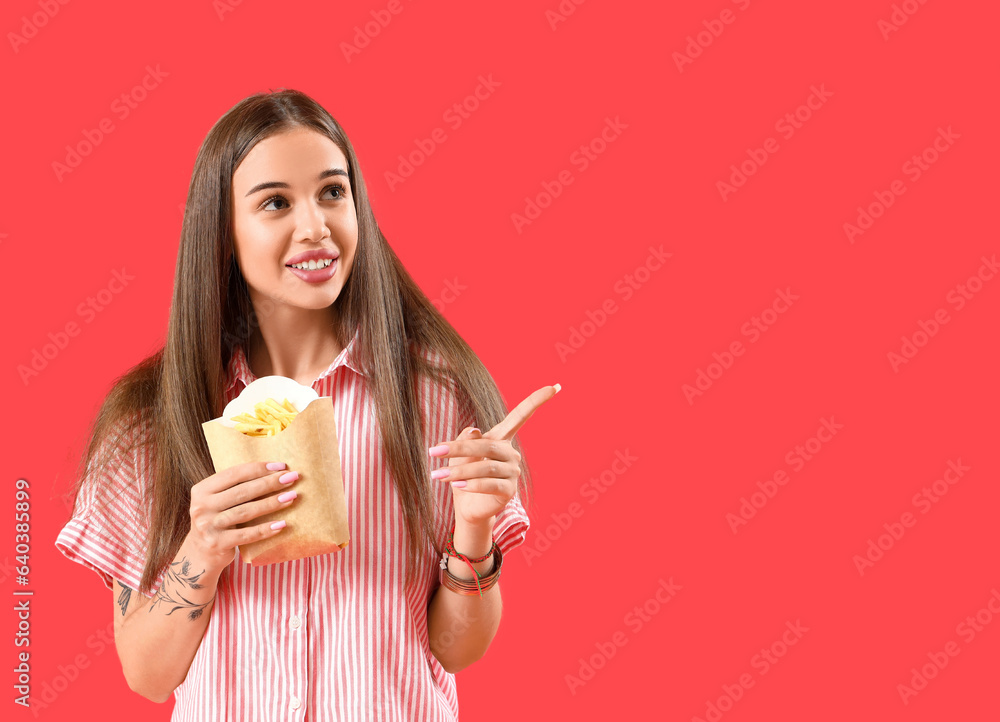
{"type": "Point", "coordinates": [295, 622]}
{"type": "Point", "coordinates": [295, 703]}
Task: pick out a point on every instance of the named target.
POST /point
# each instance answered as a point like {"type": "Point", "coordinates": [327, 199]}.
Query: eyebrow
{"type": "Point", "coordinates": [279, 184]}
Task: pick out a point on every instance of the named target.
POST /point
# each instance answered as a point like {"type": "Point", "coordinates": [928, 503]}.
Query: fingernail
{"type": "Point", "coordinates": [557, 387]}
{"type": "Point", "coordinates": [278, 525]}
{"type": "Point", "coordinates": [458, 484]}
{"type": "Point", "coordinates": [287, 496]}
{"type": "Point", "coordinates": [474, 430]}
{"type": "Point", "coordinates": [289, 477]}
{"type": "Point", "coordinates": [440, 473]}
{"type": "Point", "coordinates": [275, 466]}
{"type": "Point", "coordinates": [439, 450]}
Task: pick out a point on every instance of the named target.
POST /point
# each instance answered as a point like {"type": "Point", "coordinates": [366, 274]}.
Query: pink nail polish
{"type": "Point", "coordinates": [458, 484]}
{"type": "Point", "coordinates": [278, 525]}
{"type": "Point", "coordinates": [289, 477]}
{"type": "Point", "coordinates": [439, 450]}
{"type": "Point", "coordinates": [440, 473]}
{"type": "Point", "coordinates": [287, 496]}
{"type": "Point", "coordinates": [275, 466]}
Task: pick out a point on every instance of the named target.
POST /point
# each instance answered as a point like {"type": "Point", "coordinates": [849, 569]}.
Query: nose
{"type": "Point", "coordinates": [310, 223]}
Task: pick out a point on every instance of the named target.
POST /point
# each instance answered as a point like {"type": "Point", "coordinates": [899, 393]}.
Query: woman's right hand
{"type": "Point", "coordinates": [234, 496]}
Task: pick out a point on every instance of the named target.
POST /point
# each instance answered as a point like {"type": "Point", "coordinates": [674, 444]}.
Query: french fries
{"type": "Point", "coordinates": [268, 419]}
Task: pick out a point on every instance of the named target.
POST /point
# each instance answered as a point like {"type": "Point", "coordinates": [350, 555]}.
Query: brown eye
{"type": "Point", "coordinates": [270, 200]}
{"type": "Point", "coordinates": [339, 188]}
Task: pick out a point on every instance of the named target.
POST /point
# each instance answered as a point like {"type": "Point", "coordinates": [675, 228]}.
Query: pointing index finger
{"type": "Point", "coordinates": [506, 429]}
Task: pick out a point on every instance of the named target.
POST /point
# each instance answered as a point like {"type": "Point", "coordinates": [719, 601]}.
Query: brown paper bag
{"type": "Point", "coordinates": [317, 520]}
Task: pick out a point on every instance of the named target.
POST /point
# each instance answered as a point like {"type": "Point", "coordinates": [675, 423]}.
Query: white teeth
{"type": "Point", "coordinates": [313, 265]}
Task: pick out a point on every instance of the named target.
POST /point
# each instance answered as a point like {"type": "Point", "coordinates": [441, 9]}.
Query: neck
{"type": "Point", "coordinates": [293, 342]}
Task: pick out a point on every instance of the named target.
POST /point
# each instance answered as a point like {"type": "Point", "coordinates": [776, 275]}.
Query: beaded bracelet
{"type": "Point", "coordinates": [482, 582]}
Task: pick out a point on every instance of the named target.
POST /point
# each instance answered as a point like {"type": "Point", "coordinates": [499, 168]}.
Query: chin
{"type": "Point", "coordinates": [317, 301]}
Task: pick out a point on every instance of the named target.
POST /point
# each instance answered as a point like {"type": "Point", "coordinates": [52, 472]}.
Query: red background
{"type": "Point", "coordinates": [655, 184]}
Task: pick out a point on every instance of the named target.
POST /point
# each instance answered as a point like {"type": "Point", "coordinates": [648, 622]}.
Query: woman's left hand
{"type": "Point", "coordinates": [488, 464]}
{"type": "Point", "coordinates": [489, 469]}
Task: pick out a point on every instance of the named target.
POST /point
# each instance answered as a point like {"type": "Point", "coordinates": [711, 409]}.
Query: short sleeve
{"type": "Point", "coordinates": [447, 415]}
{"type": "Point", "coordinates": [511, 526]}
{"type": "Point", "coordinates": [107, 531]}
{"type": "Point", "coordinates": [512, 523]}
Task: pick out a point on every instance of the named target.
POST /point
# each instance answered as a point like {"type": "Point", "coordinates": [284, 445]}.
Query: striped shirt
{"type": "Point", "coordinates": [339, 636]}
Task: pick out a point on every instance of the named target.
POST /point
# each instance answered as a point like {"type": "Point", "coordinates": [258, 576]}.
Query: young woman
{"type": "Point", "coordinates": [282, 270]}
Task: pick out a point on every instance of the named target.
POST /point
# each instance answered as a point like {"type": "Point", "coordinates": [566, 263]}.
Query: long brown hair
{"type": "Point", "coordinates": [160, 404]}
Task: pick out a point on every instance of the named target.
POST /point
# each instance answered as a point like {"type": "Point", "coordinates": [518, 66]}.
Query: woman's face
{"type": "Point", "coordinates": [294, 222]}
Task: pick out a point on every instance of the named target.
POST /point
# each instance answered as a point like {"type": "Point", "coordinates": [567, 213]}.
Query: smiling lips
{"type": "Point", "coordinates": [314, 266]}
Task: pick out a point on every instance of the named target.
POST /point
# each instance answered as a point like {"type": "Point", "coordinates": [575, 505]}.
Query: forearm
{"type": "Point", "coordinates": [461, 627]}
{"type": "Point", "coordinates": [158, 642]}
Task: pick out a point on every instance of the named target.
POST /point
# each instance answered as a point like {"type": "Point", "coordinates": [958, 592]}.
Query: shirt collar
{"type": "Point", "coordinates": [239, 368]}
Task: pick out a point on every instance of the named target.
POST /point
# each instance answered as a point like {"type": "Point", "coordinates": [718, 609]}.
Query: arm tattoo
{"type": "Point", "coordinates": [124, 597]}
{"type": "Point", "coordinates": [178, 580]}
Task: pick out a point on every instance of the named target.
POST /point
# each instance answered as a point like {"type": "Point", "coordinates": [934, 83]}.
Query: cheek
{"type": "Point", "coordinates": [250, 234]}
{"type": "Point", "coordinates": [351, 243]}
{"type": "Point", "coordinates": [256, 265]}
{"type": "Point", "coordinates": [350, 246]}
{"type": "Point", "coordinates": [241, 248]}
{"type": "Point", "coordinates": [251, 243]}
{"type": "Point", "coordinates": [352, 257]}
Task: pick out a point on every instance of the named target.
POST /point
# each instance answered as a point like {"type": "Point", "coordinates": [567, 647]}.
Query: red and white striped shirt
{"type": "Point", "coordinates": [334, 637]}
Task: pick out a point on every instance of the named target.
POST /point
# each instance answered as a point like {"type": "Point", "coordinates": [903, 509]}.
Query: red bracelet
{"type": "Point", "coordinates": [483, 582]}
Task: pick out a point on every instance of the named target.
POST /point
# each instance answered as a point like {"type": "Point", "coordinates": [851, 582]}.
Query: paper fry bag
{"type": "Point", "coordinates": [317, 520]}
